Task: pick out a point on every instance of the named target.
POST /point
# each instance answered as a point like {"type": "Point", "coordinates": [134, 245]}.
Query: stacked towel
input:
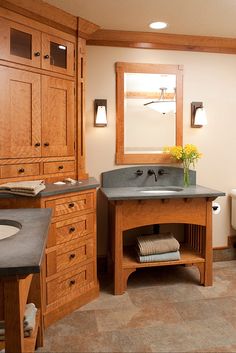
{"type": "Point", "coordinates": [157, 247]}
{"type": "Point", "coordinates": [25, 188]}
{"type": "Point", "coordinates": [29, 321]}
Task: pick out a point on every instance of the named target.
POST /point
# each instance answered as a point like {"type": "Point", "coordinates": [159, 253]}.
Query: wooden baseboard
{"type": "Point", "coordinates": [226, 253]}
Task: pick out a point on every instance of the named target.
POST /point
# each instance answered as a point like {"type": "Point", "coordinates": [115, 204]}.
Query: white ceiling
{"type": "Point", "coordinates": [196, 17]}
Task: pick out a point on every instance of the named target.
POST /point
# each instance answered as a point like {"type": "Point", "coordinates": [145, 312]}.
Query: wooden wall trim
{"type": "Point", "coordinates": [165, 41]}
{"type": "Point", "coordinates": [44, 13]}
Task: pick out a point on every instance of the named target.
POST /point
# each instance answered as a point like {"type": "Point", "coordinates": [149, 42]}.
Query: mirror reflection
{"type": "Point", "coordinates": [149, 112]}
{"type": "Point", "coordinates": [149, 101]}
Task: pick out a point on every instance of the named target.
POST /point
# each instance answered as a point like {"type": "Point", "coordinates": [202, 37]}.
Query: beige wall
{"type": "Point", "coordinates": [210, 78]}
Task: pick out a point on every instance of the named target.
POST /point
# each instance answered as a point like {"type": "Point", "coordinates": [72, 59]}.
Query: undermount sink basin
{"type": "Point", "coordinates": [161, 190]}
{"type": "Point", "coordinates": [8, 228]}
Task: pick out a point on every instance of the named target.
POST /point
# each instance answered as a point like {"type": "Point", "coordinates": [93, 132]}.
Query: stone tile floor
{"type": "Point", "coordinates": [164, 310]}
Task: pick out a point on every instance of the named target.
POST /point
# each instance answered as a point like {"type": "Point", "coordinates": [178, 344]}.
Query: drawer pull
{"type": "Point", "coordinates": [37, 144]}
{"type": "Point", "coordinates": [21, 170]}
{"type": "Point", "coordinates": [46, 56]}
{"type": "Point", "coordinates": [72, 282]}
{"type": "Point", "coordinates": [71, 205]}
{"type": "Point", "coordinates": [71, 256]}
{"type": "Point", "coordinates": [72, 229]}
{"type": "Point", "coordinates": [37, 53]}
{"type": "Point", "coordinates": [60, 167]}
{"type": "Point", "coordinates": [46, 144]}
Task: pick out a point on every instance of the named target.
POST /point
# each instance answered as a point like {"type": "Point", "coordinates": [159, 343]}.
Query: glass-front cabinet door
{"type": "Point", "coordinates": [19, 43]}
{"type": "Point", "coordinates": [58, 55]}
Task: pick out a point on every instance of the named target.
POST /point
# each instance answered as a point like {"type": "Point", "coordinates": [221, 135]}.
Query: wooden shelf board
{"type": "Point", "coordinates": [187, 256]}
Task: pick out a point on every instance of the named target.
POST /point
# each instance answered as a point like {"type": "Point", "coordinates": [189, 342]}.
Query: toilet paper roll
{"type": "Point", "coordinates": [216, 208]}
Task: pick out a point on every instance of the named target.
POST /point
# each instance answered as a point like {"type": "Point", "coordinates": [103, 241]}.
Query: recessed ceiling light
{"type": "Point", "coordinates": [158, 25]}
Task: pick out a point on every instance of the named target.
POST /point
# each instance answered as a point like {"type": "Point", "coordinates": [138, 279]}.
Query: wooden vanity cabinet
{"type": "Point", "coordinates": [70, 276]}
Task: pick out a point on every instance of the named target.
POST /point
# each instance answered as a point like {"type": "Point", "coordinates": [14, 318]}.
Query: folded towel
{"type": "Point", "coordinates": [168, 256]}
{"type": "Point", "coordinates": [26, 188]}
{"type": "Point", "coordinates": [157, 244]}
{"type": "Point", "coordinates": [29, 321]}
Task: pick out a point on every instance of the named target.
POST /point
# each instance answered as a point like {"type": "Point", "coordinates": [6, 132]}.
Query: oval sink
{"type": "Point", "coordinates": [161, 190]}
{"type": "Point", "coordinates": [8, 228]}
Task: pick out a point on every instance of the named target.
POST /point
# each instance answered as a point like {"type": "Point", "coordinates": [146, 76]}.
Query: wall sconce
{"type": "Point", "coordinates": [198, 115]}
{"type": "Point", "coordinates": [100, 112]}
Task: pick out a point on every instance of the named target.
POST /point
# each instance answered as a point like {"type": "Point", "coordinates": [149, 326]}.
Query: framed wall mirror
{"type": "Point", "coordinates": [149, 111]}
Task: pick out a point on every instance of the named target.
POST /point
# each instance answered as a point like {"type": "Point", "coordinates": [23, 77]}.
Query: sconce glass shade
{"type": "Point", "coordinates": [200, 117]}
{"type": "Point", "coordinates": [100, 110]}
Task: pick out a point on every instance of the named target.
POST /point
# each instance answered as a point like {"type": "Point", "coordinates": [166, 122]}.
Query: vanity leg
{"type": "Point", "coordinates": [118, 250]}
{"type": "Point", "coordinates": [14, 315]}
{"type": "Point", "coordinates": [208, 247]}
{"type": "Point", "coordinates": [201, 268]}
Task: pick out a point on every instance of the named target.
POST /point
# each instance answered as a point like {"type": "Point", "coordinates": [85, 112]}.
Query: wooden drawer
{"type": "Point", "coordinates": [71, 229]}
{"type": "Point", "coordinates": [58, 167]}
{"type": "Point", "coordinates": [70, 283]}
{"type": "Point", "coordinates": [19, 170]}
{"type": "Point", "coordinates": [69, 254]}
{"type": "Point", "coordinates": [70, 205]}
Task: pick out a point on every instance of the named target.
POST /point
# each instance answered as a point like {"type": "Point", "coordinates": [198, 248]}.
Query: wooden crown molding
{"type": "Point", "coordinates": [86, 28]}
{"type": "Point", "coordinates": [44, 13]}
{"type": "Point", "coordinates": [165, 41]}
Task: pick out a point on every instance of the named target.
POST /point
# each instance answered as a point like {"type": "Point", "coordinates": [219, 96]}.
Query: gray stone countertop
{"type": "Point", "coordinates": [133, 193]}
{"type": "Point", "coordinates": [80, 185]}
{"type": "Point", "coordinates": [22, 253]}
{"type": "Point", "coordinates": [55, 189]}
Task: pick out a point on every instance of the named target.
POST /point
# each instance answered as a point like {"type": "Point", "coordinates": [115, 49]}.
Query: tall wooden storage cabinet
{"type": "Point", "coordinates": [41, 137]}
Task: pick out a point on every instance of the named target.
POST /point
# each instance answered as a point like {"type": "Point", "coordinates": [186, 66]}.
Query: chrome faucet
{"type": "Point", "coordinates": [152, 172]}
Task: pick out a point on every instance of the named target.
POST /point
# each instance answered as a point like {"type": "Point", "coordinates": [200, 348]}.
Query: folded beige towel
{"type": "Point", "coordinates": [167, 256]}
{"type": "Point", "coordinates": [29, 321]}
{"type": "Point", "coordinates": [26, 188]}
{"type": "Point", "coordinates": [157, 244]}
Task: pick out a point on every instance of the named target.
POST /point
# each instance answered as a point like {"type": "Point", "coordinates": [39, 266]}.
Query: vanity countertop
{"type": "Point", "coordinates": [52, 189]}
{"type": "Point", "coordinates": [22, 253]}
{"type": "Point", "coordinates": [133, 193]}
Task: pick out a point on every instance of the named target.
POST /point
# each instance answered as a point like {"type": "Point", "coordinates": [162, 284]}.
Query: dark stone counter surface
{"type": "Point", "coordinates": [22, 253]}
{"type": "Point", "coordinates": [133, 193]}
{"type": "Point", "coordinates": [53, 189]}
{"type": "Point", "coordinates": [126, 183]}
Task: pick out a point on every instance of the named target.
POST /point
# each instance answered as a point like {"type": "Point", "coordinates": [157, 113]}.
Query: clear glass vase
{"type": "Point", "coordinates": [186, 177]}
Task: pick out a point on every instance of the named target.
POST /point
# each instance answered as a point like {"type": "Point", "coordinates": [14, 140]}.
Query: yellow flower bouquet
{"type": "Point", "coordinates": [187, 154]}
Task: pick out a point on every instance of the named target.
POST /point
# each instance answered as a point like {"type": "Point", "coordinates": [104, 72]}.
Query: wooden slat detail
{"type": "Point", "coordinates": [150, 95]}
{"type": "Point", "coordinates": [150, 40]}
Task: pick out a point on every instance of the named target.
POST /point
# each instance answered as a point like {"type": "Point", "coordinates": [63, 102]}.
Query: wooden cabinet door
{"type": "Point", "coordinates": [19, 43]}
{"type": "Point", "coordinates": [58, 55]}
{"type": "Point", "coordinates": [20, 114]}
{"type": "Point", "coordinates": [58, 115]}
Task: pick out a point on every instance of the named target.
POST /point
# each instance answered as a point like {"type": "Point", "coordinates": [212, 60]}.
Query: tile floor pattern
{"type": "Point", "coordinates": [164, 310]}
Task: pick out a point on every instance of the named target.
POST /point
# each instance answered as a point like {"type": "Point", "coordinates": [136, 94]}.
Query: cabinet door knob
{"type": "Point", "coordinates": [37, 53]}
{"type": "Point", "coordinates": [71, 205]}
{"type": "Point", "coordinates": [46, 144]}
{"type": "Point", "coordinates": [37, 144]}
{"type": "Point", "coordinates": [21, 170]}
{"type": "Point", "coordinates": [46, 56]}
{"type": "Point", "coordinates": [71, 256]}
{"type": "Point", "coordinates": [72, 229]}
{"type": "Point", "coordinates": [72, 282]}
{"type": "Point", "coordinates": [60, 167]}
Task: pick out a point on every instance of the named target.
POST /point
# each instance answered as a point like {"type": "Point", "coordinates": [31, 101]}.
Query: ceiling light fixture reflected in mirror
{"type": "Point", "coordinates": [163, 105]}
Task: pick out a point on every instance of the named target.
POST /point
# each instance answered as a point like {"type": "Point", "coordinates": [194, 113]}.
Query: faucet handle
{"type": "Point", "coordinates": [162, 172]}
{"type": "Point", "coordinates": [139, 172]}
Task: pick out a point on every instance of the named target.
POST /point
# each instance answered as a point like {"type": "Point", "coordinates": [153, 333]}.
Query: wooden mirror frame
{"type": "Point", "coordinates": [144, 158]}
